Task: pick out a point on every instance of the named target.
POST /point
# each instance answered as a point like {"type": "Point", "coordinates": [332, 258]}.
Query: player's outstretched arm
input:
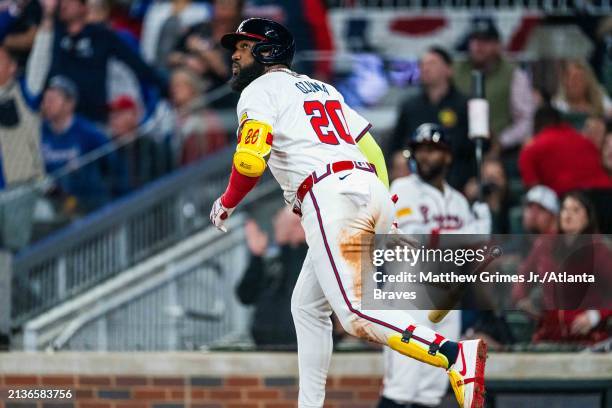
{"type": "Point", "coordinates": [372, 152]}
{"type": "Point", "coordinates": [252, 152]}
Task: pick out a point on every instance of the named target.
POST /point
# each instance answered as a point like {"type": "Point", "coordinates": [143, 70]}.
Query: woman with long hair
{"type": "Point", "coordinates": [573, 309]}
{"type": "Point", "coordinates": [579, 93]}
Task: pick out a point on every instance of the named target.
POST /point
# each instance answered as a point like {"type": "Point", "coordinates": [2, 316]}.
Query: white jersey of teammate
{"type": "Point", "coordinates": [309, 120]}
{"type": "Point", "coordinates": [424, 209]}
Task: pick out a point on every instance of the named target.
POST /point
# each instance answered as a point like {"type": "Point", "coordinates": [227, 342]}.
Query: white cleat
{"type": "Point", "coordinates": [467, 374]}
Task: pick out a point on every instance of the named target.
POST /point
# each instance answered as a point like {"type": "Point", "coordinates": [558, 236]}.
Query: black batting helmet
{"type": "Point", "coordinates": [429, 133]}
{"type": "Point", "coordinates": [271, 37]}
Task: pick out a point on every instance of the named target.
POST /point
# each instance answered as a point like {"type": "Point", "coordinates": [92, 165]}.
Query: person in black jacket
{"type": "Point", "coordinates": [270, 277]}
{"type": "Point", "coordinates": [438, 101]}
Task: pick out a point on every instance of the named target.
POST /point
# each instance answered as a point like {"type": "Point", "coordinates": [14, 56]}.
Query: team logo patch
{"type": "Point", "coordinates": [402, 212]}
{"type": "Point", "coordinates": [447, 118]}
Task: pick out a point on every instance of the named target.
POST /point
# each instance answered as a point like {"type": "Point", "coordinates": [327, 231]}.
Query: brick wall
{"type": "Point", "coordinates": [253, 380]}
{"type": "Point", "coordinates": [185, 392]}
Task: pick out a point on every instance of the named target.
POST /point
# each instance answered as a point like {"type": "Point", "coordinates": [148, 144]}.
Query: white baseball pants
{"type": "Point", "coordinates": [336, 213]}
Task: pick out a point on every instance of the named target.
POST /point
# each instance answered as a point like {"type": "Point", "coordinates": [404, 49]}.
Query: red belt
{"type": "Point", "coordinates": [332, 168]}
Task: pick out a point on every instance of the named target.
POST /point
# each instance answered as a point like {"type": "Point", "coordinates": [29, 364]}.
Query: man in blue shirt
{"type": "Point", "coordinates": [66, 137]}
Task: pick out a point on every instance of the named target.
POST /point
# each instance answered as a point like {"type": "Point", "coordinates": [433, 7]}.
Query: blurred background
{"type": "Point", "coordinates": [117, 130]}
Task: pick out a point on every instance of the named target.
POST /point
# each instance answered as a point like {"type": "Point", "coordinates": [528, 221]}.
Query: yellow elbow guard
{"type": "Point", "coordinates": [254, 146]}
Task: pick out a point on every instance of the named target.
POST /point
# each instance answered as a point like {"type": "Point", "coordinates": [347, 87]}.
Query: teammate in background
{"type": "Point", "coordinates": [326, 161]}
{"type": "Point", "coordinates": [428, 205]}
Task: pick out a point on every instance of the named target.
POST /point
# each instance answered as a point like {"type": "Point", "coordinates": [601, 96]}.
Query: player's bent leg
{"type": "Point", "coordinates": [335, 224]}
{"type": "Point", "coordinates": [340, 225]}
{"type": "Point", "coordinates": [311, 316]}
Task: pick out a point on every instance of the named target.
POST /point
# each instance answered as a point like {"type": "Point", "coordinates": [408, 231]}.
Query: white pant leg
{"type": "Point", "coordinates": [409, 381]}
{"type": "Point", "coordinates": [311, 317]}
{"type": "Point", "coordinates": [337, 215]}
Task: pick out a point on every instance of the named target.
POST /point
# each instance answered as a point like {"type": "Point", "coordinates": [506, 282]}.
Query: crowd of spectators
{"type": "Point", "coordinates": [557, 139]}
{"type": "Point", "coordinates": [105, 96]}
{"type": "Point", "coordinates": [108, 95]}
{"type": "Point", "coordinates": [546, 172]}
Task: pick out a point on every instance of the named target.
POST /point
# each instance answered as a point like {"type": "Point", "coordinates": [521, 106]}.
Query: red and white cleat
{"type": "Point", "coordinates": [467, 374]}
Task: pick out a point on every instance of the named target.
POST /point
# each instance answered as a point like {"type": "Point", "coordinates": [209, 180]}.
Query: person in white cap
{"type": "Point", "coordinates": [540, 211]}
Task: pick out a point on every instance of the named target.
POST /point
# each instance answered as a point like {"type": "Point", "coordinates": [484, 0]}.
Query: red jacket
{"type": "Point", "coordinates": [592, 257]}
{"type": "Point", "coordinates": [561, 158]}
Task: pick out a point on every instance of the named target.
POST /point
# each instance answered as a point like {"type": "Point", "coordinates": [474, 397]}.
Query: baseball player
{"type": "Point", "coordinates": [333, 174]}
{"type": "Point", "coordinates": [428, 205]}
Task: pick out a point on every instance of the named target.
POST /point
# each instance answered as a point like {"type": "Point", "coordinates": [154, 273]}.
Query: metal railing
{"type": "Point", "coordinates": [180, 299]}
{"type": "Point", "coordinates": [119, 235]}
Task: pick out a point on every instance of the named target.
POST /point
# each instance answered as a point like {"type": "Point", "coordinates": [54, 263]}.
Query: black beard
{"type": "Point", "coordinates": [246, 75]}
{"type": "Point", "coordinates": [433, 172]}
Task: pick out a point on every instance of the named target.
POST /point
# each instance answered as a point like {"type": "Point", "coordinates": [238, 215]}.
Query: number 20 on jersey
{"type": "Point", "coordinates": [321, 114]}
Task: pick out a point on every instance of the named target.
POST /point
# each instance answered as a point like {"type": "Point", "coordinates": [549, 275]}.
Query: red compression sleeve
{"type": "Point", "coordinates": [238, 187]}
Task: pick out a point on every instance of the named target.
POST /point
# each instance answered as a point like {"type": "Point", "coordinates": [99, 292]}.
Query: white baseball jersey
{"type": "Point", "coordinates": [311, 125]}
{"type": "Point", "coordinates": [422, 209]}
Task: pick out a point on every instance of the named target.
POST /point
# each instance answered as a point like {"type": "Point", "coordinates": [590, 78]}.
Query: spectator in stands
{"type": "Point", "coordinates": [595, 130]}
{"type": "Point", "coordinates": [199, 49]}
{"type": "Point", "coordinates": [198, 131]}
{"type": "Point", "coordinates": [23, 19]}
{"type": "Point", "coordinates": [121, 79]}
{"type": "Point", "coordinates": [165, 23]}
{"type": "Point", "coordinates": [270, 278]}
{"type": "Point", "coordinates": [66, 137]}
{"type": "Point", "coordinates": [540, 211]}
{"type": "Point", "coordinates": [311, 29]}
{"type": "Point", "coordinates": [507, 89]}
{"type": "Point", "coordinates": [139, 158]}
{"type": "Point", "coordinates": [19, 126]}
{"type": "Point", "coordinates": [20, 153]}
{"type": "Point", "coordinates": [569, 312]}
{"type": "Point", "coordinates": [606, 152]}
{"type": "Point", "coordinates": [598, 28]}
{"type": "Point", "coordinates": [559, 157]}
{"type": "Point", "coordinates": [580, 95]}
{"type": "Point", "coordinates": [81, 51]}
{"type": "Point", "coordinates": [438, 101]}
{"type": "Point", "coordinates": [494, 191]}
{"type": "Point", "coordinates": [540, 216]}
